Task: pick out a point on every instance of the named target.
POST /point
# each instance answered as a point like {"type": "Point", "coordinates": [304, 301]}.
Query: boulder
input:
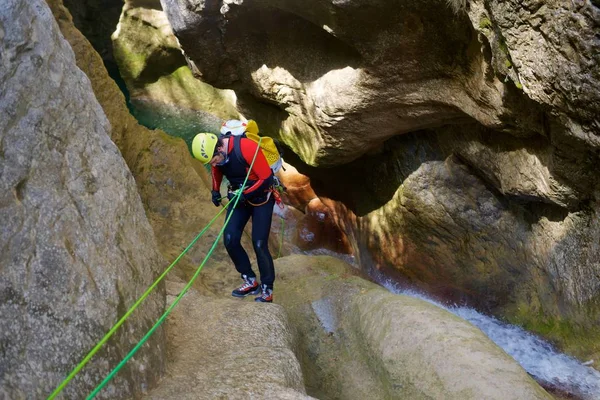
{"type": "Point", "coordinates": [77, 249]}
{"type": "Point", "coordinates": [358, 341]}
{"type": "Point", "coordinates": [173, 186]}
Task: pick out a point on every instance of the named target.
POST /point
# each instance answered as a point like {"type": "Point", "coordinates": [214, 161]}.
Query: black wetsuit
{"type": "Point", "coordinates": [261, 212]}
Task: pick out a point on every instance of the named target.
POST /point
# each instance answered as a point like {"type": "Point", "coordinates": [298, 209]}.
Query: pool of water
{"type": "Point", "coordinates": [183, 123]}
{"type": "Point", "coordinates": [175, 121]}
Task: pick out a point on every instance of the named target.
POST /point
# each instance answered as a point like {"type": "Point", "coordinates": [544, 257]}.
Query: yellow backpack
{"type": "Point", "coordinates": [249, 129]}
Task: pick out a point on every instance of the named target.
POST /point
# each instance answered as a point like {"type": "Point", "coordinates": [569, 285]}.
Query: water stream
{"type": "Point", "coordinates": [557, 372]}
{"type": "Point", "coordinates": [539, 358]}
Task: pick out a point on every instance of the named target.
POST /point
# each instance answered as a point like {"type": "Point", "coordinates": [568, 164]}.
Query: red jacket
{"type": "Point", "coordinates": [260, 170]}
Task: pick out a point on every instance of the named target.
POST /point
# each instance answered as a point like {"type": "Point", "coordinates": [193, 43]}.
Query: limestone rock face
{"type": "Point", "coordinates": [358, 341]}
{"type": "Point", "coordinates": [155, 70]}
{"type": "Point", "coordinates": [97, 20]}
{"type": "Point", "coordinates": [77, 248]}
{"type": "Point", "coordinates": [229, 348]}
{"type": "Point", "coordinates": [346, 76]}
{"type": "Point", "coordinates": [554, 51]}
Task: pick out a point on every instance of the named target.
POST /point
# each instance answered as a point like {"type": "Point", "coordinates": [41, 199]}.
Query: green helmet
{"type": "Point", "coordinates": [203, 146]}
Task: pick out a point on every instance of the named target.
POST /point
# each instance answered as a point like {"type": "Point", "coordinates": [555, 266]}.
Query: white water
{"type": "Point", "coordinates": [535, 355]}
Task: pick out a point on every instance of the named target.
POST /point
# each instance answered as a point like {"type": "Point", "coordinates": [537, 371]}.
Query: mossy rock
{"type": "Point", "coordinates": [154, 68]}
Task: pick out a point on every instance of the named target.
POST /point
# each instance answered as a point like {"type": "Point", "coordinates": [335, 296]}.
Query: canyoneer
{"type": "Point", "coordinates": [230, 154]}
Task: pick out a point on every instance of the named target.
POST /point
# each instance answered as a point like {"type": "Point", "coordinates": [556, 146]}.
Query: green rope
{"type": "Point", "coordinates": [185, 289]}
{"type": "Point", "coordinates": [92, 352]}
{"type": "Point", "coordinates": [282, 233]}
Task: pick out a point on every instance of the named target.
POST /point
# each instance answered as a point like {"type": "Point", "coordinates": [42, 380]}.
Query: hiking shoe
{"type": "Point", "coordinates": [250, 286]}
{"type": "Point", "coordinates": [266, 296]}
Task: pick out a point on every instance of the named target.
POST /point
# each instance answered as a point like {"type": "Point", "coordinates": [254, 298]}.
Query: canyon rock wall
{"type": "Point", "coordinates": [77, 248]}
{"type": "Point", "coordinates": [157, 76]}
{"type": "Point", "coordinates": [346, 76]}
{"type": "Point", "coordinates": [461, 143]}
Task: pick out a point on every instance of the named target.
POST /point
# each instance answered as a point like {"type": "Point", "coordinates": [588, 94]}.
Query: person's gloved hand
{"type": "Point", "coordinates": [216, 197]}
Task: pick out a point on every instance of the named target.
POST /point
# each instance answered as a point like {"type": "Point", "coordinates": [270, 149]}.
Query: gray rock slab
{"type": "Point", "coordinates": [76, 249]}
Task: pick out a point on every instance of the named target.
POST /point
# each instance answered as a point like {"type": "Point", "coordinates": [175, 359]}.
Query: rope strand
{"type": "Point", "coordinates": [102, 341]}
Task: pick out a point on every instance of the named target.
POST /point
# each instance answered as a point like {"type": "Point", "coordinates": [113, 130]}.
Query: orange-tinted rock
{"type": "Point", "coordinates": [318, 229]}
{"type": "Point", "coordinates": [298, 190]}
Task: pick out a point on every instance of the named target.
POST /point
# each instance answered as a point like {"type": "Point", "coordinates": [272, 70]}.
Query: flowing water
{"type": "Point", "coordinates": [549, 367]}
{"type": "Point", "coordinates": [557, 372]}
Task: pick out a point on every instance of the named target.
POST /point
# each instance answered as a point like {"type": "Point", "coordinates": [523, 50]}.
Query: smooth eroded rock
{"type": "Point", "coordinates": [358, 341]}
{"type": "Point", "coordinates": [77, 249]}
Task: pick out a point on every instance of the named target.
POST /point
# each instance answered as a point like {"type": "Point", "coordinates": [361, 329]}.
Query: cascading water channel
{"type": "Point", "coordinates": [550, 368]}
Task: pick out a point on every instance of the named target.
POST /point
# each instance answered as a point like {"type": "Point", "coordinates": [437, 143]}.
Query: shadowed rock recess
{"type": "Point", "coordinates": [462, 144]}
{"type": "Point", "coordinates": [76, 246]}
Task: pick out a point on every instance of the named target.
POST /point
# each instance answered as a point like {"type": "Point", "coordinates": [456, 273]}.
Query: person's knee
{"type": "Point", "coordinates": [232, 239]}
{"type": "Point", "coordinates": [260, 246]}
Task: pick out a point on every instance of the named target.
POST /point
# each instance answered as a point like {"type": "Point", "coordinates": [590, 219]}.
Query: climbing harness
{"type": "Point", "coordinates": [276, 190]}
{"type": "Point", "coordinates": [141, 299]}
{"type": "Point", "coordinates": [261, 203]}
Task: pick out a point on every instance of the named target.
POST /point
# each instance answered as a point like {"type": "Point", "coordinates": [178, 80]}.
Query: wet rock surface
{"type": "Point", "coordinates": [229, 348]}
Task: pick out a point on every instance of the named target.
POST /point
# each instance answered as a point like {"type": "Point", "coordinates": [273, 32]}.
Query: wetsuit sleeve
{"type": "Point", "coordinates": [217, 178]}
{"type": "Point", "coordinates": [260, 170]}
